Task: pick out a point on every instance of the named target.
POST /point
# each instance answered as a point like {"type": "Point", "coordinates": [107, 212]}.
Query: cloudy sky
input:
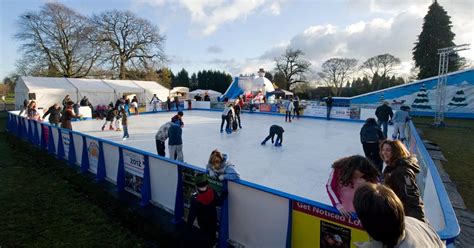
{"type": "Point", "coordinates": [240, 36]}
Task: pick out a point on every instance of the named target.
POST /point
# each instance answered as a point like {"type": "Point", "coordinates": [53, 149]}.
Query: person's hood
{"type": "Point", "coordinates": [410, 162]}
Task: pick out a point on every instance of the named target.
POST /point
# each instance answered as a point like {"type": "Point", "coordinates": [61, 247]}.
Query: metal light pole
{"type": "Point", "coordinates": [442, 80]}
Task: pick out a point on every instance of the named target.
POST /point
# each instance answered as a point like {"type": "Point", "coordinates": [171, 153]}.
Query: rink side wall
{"type": "Point", "coordinates": [253, 215]}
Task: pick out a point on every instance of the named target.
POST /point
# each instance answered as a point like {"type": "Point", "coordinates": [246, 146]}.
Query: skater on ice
{"type": "Point", "coordinates": [400, 118]}
{"type": "Point", "coordinates": [161, 136]}
{"type": "Point", "coordinates": [154, 102]}
{"type": "Point", "coordinates": [275, 130]}
{"type": "Point", "coordinates": [289, 109]}
{"type": "Point", "coordinates": [227, 117]}
{"type": "Point", "coordinates": [175, 141]}
{"type": "Point", "coordinates": [370, 137]}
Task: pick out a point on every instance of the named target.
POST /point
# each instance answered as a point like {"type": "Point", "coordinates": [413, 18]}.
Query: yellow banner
{"type": "Point", "coordinates": [317, 227]}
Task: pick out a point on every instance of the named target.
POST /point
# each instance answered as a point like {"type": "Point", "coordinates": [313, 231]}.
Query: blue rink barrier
{"type": "Point", "coordinates": [253, 215]}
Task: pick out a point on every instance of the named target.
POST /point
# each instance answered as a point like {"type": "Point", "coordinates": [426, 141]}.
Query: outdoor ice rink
{"type": "Point", "coordinates": [300, 167]}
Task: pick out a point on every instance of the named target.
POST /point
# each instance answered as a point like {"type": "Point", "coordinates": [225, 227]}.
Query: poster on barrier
{"type": "Point", "coordinates": [189, 187]}
{"type": "Point", "coordinates": [316, 227]}
{"type": "Point", "coordinates": [134, 165]}
{"type": "Point", "coordinates": [265, 107]}
{"type": "Point", "coordinates": [313, 109]}
{"type": "Point", "coordinates": [93, 154]}
{"type": "Point", "coordinates": [66, 141]}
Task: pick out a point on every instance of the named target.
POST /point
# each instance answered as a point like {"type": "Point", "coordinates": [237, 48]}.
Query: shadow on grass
{"type": "Point", "coordinates": [45, 202]}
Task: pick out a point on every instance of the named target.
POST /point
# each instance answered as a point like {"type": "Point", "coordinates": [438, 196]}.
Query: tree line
{"type": "Point", "coordinates": [57, 41]}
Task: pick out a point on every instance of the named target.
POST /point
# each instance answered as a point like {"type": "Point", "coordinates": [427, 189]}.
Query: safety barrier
{"type": "Point", "coordinates": [252, 215]}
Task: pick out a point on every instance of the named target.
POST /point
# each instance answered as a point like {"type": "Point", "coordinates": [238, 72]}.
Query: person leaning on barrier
{"type": "Point", "coordinates": [382, 215]}
{"type": "Point", "coordinates": [400, 176]}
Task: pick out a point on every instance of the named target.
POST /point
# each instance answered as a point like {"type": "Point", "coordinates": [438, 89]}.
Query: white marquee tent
{"type": "Point", "coordinates": [94, 89]}
{"type": "Point", "coordinates": [47, 90]}
{"type": "Point", "coordinates": [212, 93]}
{"type": "Point", "coordinates": [126, 87]}
{"type": "Point", "coordinates": [151, 88]}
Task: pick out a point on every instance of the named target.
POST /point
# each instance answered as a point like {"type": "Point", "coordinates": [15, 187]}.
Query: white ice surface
{"type": "Point", "coordinates": [300, 167]}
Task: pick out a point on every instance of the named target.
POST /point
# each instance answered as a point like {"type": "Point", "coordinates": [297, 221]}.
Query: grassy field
{"type": "Point", "coordinates": [43, 203]}
{"type": "Point", "coordinates": [457, 144]}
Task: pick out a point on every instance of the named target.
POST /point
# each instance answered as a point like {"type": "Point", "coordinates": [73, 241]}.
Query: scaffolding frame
{"type": "Point", "coordinates": [443, 79]}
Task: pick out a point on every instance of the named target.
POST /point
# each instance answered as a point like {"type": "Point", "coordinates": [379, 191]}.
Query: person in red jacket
{"type": "Point", "coordinates": [204, 204]}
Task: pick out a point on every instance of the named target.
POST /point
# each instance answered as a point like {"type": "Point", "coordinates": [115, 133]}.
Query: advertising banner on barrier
{"type": "Point", "coordinates": [313, 109]}
{"type": "Point", "coordinates": [316, 227]}
{"type": "Point", "coordinates": [264, 107]}
{"type": "Point", "coordinates": [66, 141]}
{"type": "Point", "coordinates": [93, 154]}
{"type": "Point", "coordinates": [134, 165]}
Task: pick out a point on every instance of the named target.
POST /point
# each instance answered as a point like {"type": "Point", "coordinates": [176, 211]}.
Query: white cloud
{"type": "Point", "coordinates": [209, 15]}
{"type": "Point", "coordinates": [214, 49]}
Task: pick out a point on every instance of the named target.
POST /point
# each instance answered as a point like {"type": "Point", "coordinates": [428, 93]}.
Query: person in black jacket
{"type": "Point", "coordinates": [329, 102]}
{"type": "Point", "coordinates": [296, 103]}
{"type": "Point", "coordinates": [400, 176]}
{"type": "Point", "coordinates": [275, 129]}
{"type": "Point", "coordinates": [384, 113]}
{"type": "Point", "coordinates": [370, 136]}
{"type": "Point", "coordinates": [54, 113]}
{"type": "Point", "coordinates": [203, 207]}
{"type": "Point", "coordinates": [175, 141]}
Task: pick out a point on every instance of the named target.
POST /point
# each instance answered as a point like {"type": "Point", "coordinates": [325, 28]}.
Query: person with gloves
{"type": "Point", "coordinates": [220, 168]}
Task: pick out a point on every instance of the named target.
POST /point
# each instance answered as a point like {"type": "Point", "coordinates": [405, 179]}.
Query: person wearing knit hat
{"type": "Point", "coordinates": [204, 204]}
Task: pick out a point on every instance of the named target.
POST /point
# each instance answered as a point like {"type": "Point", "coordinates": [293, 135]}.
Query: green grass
{"type": "Point", "coordinates": [457, 144]}
{"type": "Point", "coordinates": [43, 203]}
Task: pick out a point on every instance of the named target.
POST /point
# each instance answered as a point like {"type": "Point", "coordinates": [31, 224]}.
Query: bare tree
{"type": "Point", "coordinates": [132, 42]}
{"type": "Point", "coordinates": [56, 42]}
{"type": "Point", "coordinates": [292, 67]}
{"type": "Point", "coordinates": [336, 72]}
{"type": "Point", "coordinates": [382, 65]}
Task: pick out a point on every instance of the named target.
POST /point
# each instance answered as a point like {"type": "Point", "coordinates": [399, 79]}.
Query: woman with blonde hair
{"type": "Point", "coordinates": [220, 168]}
{"type": "Point", "coordinates": [400, 176]}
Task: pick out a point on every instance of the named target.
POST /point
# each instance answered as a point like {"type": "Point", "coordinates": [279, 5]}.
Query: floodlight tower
{"type": "Point", "coordinates": [442, 80]}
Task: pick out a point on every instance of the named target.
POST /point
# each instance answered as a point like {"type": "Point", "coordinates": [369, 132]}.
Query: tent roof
{"type": "Point", "coordinates": [180, 89]}
{"type": "Point", "coordinates": [91, 85]}
{"type": "Point", "coordinates": [124, 86]}
{"type": "Point", "coordinates": [47, 83]}
{"type": "Point", "coordinates": [150, 85]}
{"type": "Point", "coordinates": [210, 92]}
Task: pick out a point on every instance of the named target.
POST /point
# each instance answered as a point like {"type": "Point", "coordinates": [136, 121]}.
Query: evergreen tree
{"type": "Point", "coordinates": [436, 33]}
{"type": "Point", "coordinates": [182, 79]}
{"type": "Point", "coordinates": [459, 99]}
{"type": "Point", "coordinates": [421, 100]}
{"type": "Point", "coordinates": [193, 82]}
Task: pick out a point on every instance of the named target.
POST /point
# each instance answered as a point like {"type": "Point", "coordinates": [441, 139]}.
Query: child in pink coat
{"type": "Point", "coordinates": [346, 176]}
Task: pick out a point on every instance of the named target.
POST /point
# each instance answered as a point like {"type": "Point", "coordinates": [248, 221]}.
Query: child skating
{"type": "Point", "coordinates": [124, 124]}
{"type": "Point", "coordinates": [109, 118]}
{"type": "Point", "coordinates": [278, 130]}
